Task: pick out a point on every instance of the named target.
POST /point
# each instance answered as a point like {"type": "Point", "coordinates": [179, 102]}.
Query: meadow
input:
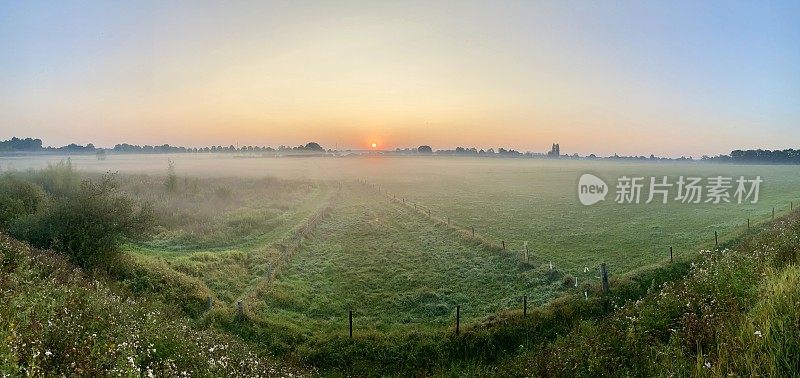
{"type": "Point", "coordinates": [303, 241]}
{"type": "Point", "coordinates": [514, 200]}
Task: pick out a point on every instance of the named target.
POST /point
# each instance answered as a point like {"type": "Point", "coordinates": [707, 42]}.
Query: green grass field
{"type": "Point", "coordinates": [321, 237]}
{"type": "Point", "coordinates": [395, 268]}
{"type": "Point", "coordinates": [536, 202]}
{"type": "Point", "coordinates": [510, 200]}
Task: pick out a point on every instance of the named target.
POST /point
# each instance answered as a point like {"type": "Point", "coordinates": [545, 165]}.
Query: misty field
{"type": "Point", "coordinates": [233, 223]}
{"type": "Point", "coordinates": [279, 251]}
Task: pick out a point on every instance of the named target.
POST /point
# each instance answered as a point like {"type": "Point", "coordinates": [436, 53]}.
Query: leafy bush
{"type": "Point", "coordinates": [18, 198]}
{"type": "Point", "coordinates": [58, 179]}
{"type": "Point", "coordinates": [88, 224]}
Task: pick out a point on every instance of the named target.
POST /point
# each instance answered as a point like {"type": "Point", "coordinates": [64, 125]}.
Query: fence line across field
{"type": "Point", "coordinates": [502, 247]}
{"type": "Point", "coordinates": [319, 216]}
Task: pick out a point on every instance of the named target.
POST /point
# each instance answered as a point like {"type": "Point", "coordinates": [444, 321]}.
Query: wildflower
{"type": "Point", "coordinates": [48, 353]}
{"type": "Point", "coordinates": [707, 365]}
{"type": "Point", "coordinates": [758, 333]}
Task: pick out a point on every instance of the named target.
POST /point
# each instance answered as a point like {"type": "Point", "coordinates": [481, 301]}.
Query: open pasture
{"type": "Point", "coordinates": [505, 200]}
{"type": "Point", "coordinates": [537, 202]}
{"type": "Point", "coordinates": [396, 269]}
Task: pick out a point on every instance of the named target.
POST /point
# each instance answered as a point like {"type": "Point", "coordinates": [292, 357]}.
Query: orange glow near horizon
{"type": "Point", "coordinates": [368, 75]}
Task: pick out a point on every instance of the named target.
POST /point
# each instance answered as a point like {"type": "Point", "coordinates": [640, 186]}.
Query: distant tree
{"type": "Point", "coordinates": [314, 146]}
{"type": "Point", "coordinates": [425, 150]}
{"type": "Point", "coordinates": [17, 144]}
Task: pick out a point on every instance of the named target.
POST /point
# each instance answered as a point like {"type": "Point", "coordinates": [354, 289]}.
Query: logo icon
{"type": "Point", "coordinates": [591, 189]}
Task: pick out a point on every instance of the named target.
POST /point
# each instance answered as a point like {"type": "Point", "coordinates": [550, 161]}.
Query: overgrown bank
{"type": "Point", "coordinates": [737, 312]}
{"type": "Point", "coordinates": [55, 320]}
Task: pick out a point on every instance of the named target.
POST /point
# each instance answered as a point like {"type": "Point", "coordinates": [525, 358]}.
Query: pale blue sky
{"type": "Point", "coordinates": [631, 77]}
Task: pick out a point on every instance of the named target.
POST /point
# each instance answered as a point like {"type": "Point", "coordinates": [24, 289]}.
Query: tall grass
{"type": "Point", "coordinates": [199, 214]}
{"type": "Point", "coordinates": [736, 313]}
{"type": "Point", "coordinates": [55, 321]}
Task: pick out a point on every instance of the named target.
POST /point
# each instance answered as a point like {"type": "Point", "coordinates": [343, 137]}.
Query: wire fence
{"type": "Point", "coordinates": [292, 244]}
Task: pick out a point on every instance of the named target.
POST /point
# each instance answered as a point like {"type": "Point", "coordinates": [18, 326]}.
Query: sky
{"type": "Point", "coordinates": [670, 78]}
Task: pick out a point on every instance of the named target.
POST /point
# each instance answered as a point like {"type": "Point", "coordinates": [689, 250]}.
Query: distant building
{"type": "Point", "coordinates": [555, 151]}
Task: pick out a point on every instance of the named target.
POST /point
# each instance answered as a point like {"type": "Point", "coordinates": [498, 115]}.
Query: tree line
{"type": "Point", "coordinates": [35, 145]}
{"type": "Point", "coordinates": [786, 156]}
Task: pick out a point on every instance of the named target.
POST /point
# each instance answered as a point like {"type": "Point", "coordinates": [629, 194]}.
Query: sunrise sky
{"type": "Point", "coordinates": [631, 77]}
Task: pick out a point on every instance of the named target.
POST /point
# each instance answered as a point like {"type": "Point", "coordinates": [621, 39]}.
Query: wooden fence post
{"type": "Point", "coordinates": [458, 319]}
{"type": "Point", "coordinates": [473, 231]}
{"type": "Point", "coordinates": [604, 275]}
{"type": "Point", "coordinates": [504, 244]}
{"type": "Point", "coordinates": [429, 213]}
{"type": "Point", "coordinates": [448, 221]}
{"type": "Point", "coordinates": [670, 253]}
{"type": "Point", "coordinates": [748, 224]}
{"type": "Point", "coordinates": [239, 310]}
{"type": "Point", "coordinates": [716, 239]}
{"type": "Point", "coordinates": [524, 305]}
{"type": "Point", "coordinates": [208, 300]}
{"type": "Point", "coordinates": [350, 317]}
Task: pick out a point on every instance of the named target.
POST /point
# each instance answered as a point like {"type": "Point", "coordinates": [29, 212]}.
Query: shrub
{"type": "Point", "coordinates": [18, 198]}
{"type": "Point", "coordinates": [171, 183]}
{"type": "Point", "coordinates": [59, 179]}
{"type": "Point", "coordinates": [88, 225]}
{"type": "Point", "coordinates": [568, 280]}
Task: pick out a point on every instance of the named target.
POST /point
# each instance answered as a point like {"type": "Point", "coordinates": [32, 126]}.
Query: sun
{"type": "Point", "coordinates": [374, 145]}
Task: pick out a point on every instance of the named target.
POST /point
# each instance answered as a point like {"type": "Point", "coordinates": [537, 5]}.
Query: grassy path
{"type": "Point", "coordinates": [395, 268]}
{"type": "Point", "coordinates": [233, 271]}
{"type": "Point", "coordinates": [287, 222]}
